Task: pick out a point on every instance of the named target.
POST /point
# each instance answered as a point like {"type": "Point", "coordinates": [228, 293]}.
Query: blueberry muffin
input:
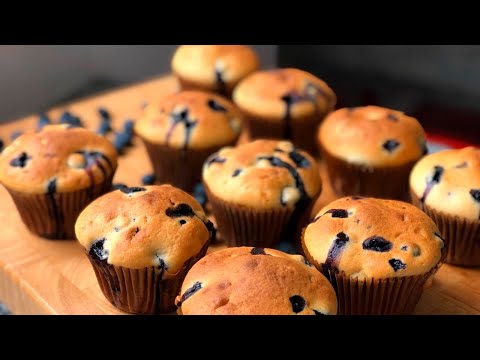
{"type": "Point", "coordinates": [260, 191]}
{"type": "Point", "coordinates": [255, 281]}
{"type": "Point", "coordinates": [284, 104]}
{"type": "Point", "coordinates": [182, 130]}
{"type": "Point", "coordinates": [371, 150]}
{"type": "Point", "coordinates": [141, 242]}
{"type": "Point", "coordinates": [446, 185]}
{"type": "Point", "coordinates": [53, 174]}
{"type": "Point", "coordinates": [377, 253]}
{"type": "Point", "coordinates": [216, 68]}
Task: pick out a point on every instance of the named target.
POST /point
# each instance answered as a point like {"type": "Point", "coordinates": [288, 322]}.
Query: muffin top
{"type": "Point", "coordinates": [373, 136]}
{"type": "Point", "coordinates": [214, 64]}
{"type": "Point", "coordinates": [262, 174]}
{"type": "Point", "coordinates": [373, 238]}
{"type": "Point", "coordinates": [280, 93]}
{"type": "Point", "coordinates": [58, 158]}
{"type": "Point", "coordinates": [449, 181]}
{"type": "Point", "coordinates": [139, 227]}
{"type": "Point", "coordinates": [190, 119]}
{"type": "Point", "coordinates": [255, 281]}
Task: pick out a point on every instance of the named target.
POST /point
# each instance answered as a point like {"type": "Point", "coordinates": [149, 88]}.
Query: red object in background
{"type": "Point", "coordinates": [446, 140]}
{"type": "Point", "coordinates": [455, 127]}
{"type": "Point", "coordinates": [446, 126]}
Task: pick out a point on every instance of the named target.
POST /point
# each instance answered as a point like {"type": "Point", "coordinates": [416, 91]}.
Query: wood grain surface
{"type": "Point", "coordinates": [39, 276]}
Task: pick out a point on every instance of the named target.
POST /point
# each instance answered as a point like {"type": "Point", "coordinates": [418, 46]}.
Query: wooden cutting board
{"type": "Point", "coordinates": [39, 276]}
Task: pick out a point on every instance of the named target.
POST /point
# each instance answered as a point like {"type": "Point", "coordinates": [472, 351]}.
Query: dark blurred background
{"type": "Point", "coordinates": [35, 77]}
{"type": "Point", "coordinates": [439, 84]}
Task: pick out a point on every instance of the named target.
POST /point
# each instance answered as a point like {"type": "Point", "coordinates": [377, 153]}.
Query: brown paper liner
{"type": "Point", "coordinates": [141, 291]}
{"type": "Point", "coordinates": [190, 85]}
{"type": "Point", "coordinates": [180, 168]}
{"type": "Point", "coordinates": [53, 216]}
{"type": "Point", "coordinates": [381, 182]}
{"type": "Point", "coordinates": [393, 296]}
{"type": "Point", "coordinates": [303, 131]}
{"type": "Point", "coordinates": [244, 226]}
{"type": "Point", "coordinates": [462, 236]}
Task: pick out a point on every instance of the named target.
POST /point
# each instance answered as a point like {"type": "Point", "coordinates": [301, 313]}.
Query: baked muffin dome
{"type": "Point", "coordinates": [372, 136]}
{"type": "Point", "coordinates": [449, 181]}
{"type": "Point", "coordinates": [182, 130]}
{"type": "Point", "coordinates": [255, 281]}
{"type": "Point", "coordinates": [57, 159]}
{"type": "Point", "coordinates": [140, 227]}
{"type": "Point", "coordinates": [284, 104]}
{"type": "Point", "coordinates": [213, 67]}
{"type": "Point", "coordinates": [280, 93]}
{"type": "Point", "coordinates": [54, 173]}
{"type": "Point", "coordinates": [191, 119]}
{"type": "Point", "coordinates": [373, 238]}
{"type": "Point", "coordinates": [446, 185]}
{"type": "Point", "coordinates": [262, 174]}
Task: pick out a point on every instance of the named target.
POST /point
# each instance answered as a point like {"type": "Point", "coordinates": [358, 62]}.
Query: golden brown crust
{"type": "Point", "coordinates": [262, 174]}
{"type": "Point", "coordinates": [372, 136]}
{"type": "Point", "coordinates": [449, 182]}
{"type": "Point", "coordinates": [266, 93]}
{"type": "Point", "coordinates": [373, 238]}
{"type": "Point", "coordinates": [145, 228]}
{"type": "Point", "coordinates": [235, 281]}
{"type": "Point", "coordinates": [191, 119]}
{"type": "Point", "coordinates": [75, 158]}
{"type": "Point", "coordinates": [201, 63]}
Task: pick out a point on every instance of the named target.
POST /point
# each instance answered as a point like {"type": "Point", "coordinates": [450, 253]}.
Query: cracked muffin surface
{"type": "Point", "coordinates": [58, 158]}
{"type": "Point", "coordinates": [263, 174]}
{"type": "Point", "coordinates": [449, 182]}
{"type": "Point", "coordinates": [373, 238]}
{"type": "Point", "coordinates": [190, 119]}
{"type": "Point", "coordinates": [255, 281]}
{"type": "Point", "coordinates": [139, 227]}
